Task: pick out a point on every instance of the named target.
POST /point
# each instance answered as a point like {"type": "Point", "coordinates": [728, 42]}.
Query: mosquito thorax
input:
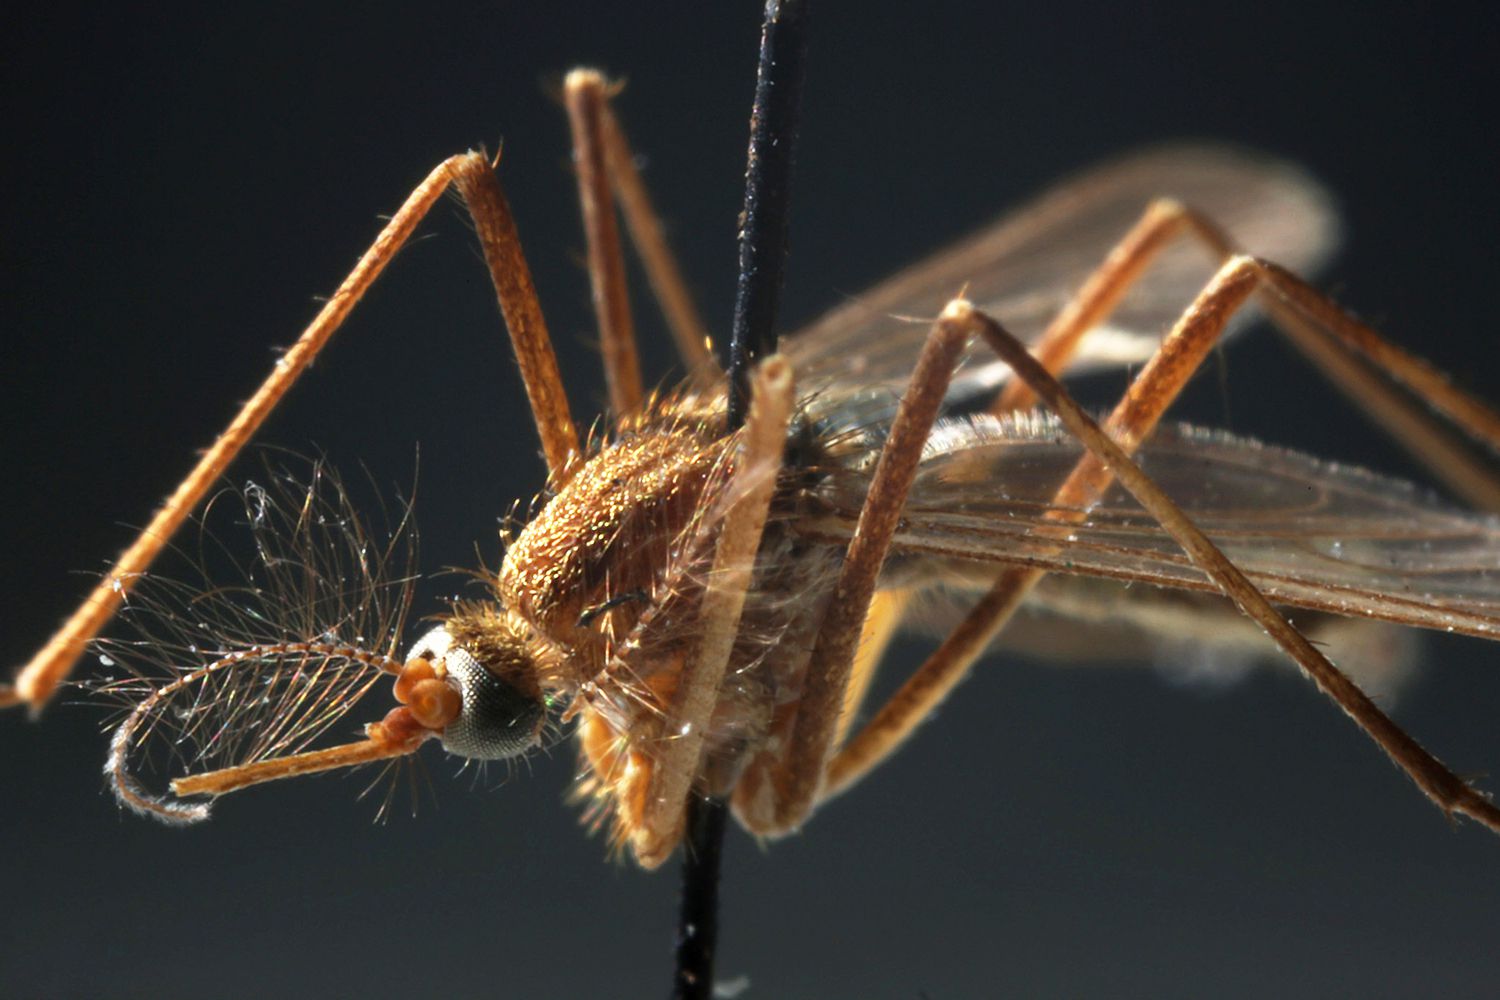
{"type": "Point", "coordinates": [499, 709]}
{"type": "Point", "coordinates": [610, 530]}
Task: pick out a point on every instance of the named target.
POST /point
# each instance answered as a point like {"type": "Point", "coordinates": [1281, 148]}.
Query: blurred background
{"type": "Point", "coordinates": [181, 188]}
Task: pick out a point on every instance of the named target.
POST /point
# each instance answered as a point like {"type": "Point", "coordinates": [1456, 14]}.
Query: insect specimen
{"type": "Point", "coordinates": [929, 311]}
{"type": "Point", "coordinates": [703, 603]}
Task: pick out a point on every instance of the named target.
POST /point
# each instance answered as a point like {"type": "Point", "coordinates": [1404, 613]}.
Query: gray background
{"type": "Point", "coordinates": [180, 188]}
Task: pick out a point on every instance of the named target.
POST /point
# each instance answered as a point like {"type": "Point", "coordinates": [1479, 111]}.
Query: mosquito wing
{"type": "Point", "coordinates": [1023, 268]}
{"type": "Point", "coordinates": [1310, 534]}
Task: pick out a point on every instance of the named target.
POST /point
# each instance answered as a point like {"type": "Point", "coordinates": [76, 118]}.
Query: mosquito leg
{"type": "Point", "coordinates": [584, 96]}
{"type": "Point", "coordinates": [1136, 415]}
{"type": "Point", "coordinates": [1132, 421]}
{"type": "Point", "coordinates": [37, 681]}
{"type": "Point", "coordinates": [662, 270]}
{"type": "Point", "coordinates": [1418, 431]}
{"type": "Point", "coordinates": [475, 179]}
{"type": "Point", "coordinates": [886, 610]}
{"type": "Point", "coordinates": [676, 762]}
{"type": "Point", "coordinates": [39, 678]}
{"type": "Point", "coordinates": [1449, 792]}
{"type": "Point", "coordinates": [1148, 397]}
{"type": "Point", "coordinates": [1329, 337]}
{"type": "Point", "coordinates": [765, 772]}
{"type": "Point", "coordinates": [798, 770]}
{"type": "Point", "coordinates": [1362, 363]}
{"type": "Point", "coordinates": [1163, 222]}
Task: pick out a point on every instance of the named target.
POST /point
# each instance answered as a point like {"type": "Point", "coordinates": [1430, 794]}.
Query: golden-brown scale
{"type": "Point", "coordinates": [608, 534]}
{"type": "Point", "coordinates": [623, 533]}
{"type": "Point", "coordinates": [632, 531]}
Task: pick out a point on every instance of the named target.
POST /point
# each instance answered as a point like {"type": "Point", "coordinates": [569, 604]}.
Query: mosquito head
{"type": "Point", "coordinates": [477, 688]}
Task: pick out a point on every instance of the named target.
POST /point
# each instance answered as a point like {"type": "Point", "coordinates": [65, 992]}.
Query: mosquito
{"type": "Point", "coordinates": [707, 607]}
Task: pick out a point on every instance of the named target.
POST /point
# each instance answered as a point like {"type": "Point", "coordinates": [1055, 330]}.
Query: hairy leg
{"type": "Point", "coordinates": [474, 176]}
{"type": "Point", "coordinates": [584, 93]}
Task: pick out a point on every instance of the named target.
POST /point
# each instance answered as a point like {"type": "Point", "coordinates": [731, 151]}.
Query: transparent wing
{"type": "Point", "coordinates": [1310, 534]}
{"type": "Point", "coordinates": [1022, 268]}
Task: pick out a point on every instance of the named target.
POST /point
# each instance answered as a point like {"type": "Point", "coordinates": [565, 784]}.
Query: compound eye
{"type": "Point", "coordinates": [495, 720]}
